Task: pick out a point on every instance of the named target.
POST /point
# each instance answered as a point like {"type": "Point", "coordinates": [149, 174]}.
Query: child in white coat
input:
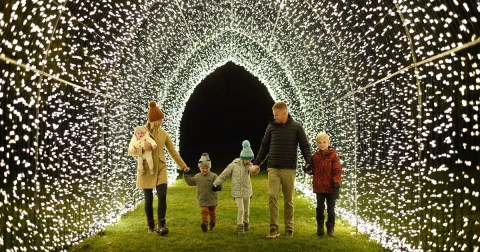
{"type": "Point", "coordinates": [240, 169]}
{"type": "Point", "coordinates": [140, 136]}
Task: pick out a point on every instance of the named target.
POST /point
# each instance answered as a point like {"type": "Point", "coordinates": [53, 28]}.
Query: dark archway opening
{"type": "Point", "coordinates": [228, 106]}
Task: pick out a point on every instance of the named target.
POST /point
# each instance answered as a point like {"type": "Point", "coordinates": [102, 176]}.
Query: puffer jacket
{"type": "Point", "coordinates": [280, 143]}
{"type": "Point", "coordinates": [326, 170]}
{"type": "Point", "coordinates": [241, 183]}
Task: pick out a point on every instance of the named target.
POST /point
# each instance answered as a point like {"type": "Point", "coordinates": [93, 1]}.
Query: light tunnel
{"type": "Point", "coordinates": [395, 83]}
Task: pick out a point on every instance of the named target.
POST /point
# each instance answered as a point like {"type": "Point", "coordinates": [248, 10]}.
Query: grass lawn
{"type": "Point", "coordinates": [183, 221]}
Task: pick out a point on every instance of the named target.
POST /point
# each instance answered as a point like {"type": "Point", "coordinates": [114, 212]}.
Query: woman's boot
{"type": "Point", "coordinates": [162, 229]}
{"type": "Point", "coordinates": [151, 226]}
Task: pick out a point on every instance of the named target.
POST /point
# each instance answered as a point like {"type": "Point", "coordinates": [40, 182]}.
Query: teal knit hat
{"type": "Point", "coordinates": [246, 153]}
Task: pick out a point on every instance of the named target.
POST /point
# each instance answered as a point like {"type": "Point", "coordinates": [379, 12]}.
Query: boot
{"type": "Point", "coordinates": [162, 229]}
{"type": "Point", "coordinates": [320, 218]}
{"type": "Point", "coordinates": [212, 226]}
{"type": "Point", "coordinates": [330, 226]}
{"type": "Point", "coordinates": [203, 226]}
{"type": "Point", "coordinates": [246, 226]}
{"type": "Point", "coordinates": [151, 226]}
{"type": "Point", "coordinates": [241, 229]}
{"type": "Point", "coordinates": [320, 230]}
{"type": "Point", "coordinates": [330, 231]}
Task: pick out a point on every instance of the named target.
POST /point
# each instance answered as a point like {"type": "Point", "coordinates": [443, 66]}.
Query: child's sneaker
{"type": "Point", "coordinates": [241, 229]}
{"type": "Point", "coordinates": [204, 226]}
{"type": "Point", "coordinates": [246, 226]}
{"type": "Point", "coordinates": [212, 226]}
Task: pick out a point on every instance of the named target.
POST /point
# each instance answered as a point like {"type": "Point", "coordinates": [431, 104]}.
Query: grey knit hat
{"type": "Point", "coordinates": [205, 161]}
{"type": "Point", "coordinates": [246, 153]}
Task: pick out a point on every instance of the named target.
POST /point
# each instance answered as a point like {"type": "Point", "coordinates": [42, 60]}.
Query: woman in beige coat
{"type": "Point", "coordinates": [158, 180]}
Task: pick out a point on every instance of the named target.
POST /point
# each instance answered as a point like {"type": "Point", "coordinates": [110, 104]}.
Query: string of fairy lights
{"type": "Point", "coordinates": [395, 83]}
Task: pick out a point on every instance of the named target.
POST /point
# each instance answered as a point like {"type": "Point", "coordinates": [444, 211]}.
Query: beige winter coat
{"type": "Point", "coordinates": [161, 137]}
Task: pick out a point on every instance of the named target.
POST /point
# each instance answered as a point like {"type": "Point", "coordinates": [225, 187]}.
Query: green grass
{"type": "Point", "coordinates": [183, 221]}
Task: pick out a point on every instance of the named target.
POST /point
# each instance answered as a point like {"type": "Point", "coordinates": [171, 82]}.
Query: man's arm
{"type": "Point", "coordinates": [264, 147]}
{"type": "Point", "coordinates": [304, 144]}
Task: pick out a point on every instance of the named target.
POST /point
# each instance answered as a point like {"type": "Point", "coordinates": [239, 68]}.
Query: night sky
{"type": "Point", "coordinates": [228, 106]}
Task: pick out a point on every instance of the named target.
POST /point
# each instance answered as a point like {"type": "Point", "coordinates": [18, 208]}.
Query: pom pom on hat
{"type": "Point", "coordinates": [205, 161]}
{"type": "Point", "coordinates": [246, 153]}
{"type": "Point", "coordinates": [154, 112]}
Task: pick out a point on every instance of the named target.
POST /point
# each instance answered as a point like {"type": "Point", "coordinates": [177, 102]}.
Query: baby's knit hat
{"type": "Point", "coordinates": [205, 161]}
{"type": "Point", "coordinates": [140, 128]}
{"type": "Point", "coordinates": [246, 153]}
{"type": "Point", "coordinates": [154, 112]}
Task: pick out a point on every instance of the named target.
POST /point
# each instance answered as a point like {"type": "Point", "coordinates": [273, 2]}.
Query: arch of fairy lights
{"type": "Point", "coordinates": [395, 83]}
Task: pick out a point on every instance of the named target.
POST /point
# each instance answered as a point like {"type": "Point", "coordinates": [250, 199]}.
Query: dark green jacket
{"type": "Point", "coordinates": [280, 143]}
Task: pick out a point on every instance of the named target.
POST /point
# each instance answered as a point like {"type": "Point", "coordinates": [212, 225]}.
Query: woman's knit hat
{"type": "Point", "coordinates": [246, 153]}
{"type": "Point", "coordinates": [205, 161]}
{"type": "Point", "coordinates": [154, 112]}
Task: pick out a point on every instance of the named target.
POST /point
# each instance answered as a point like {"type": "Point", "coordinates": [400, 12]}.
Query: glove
{"type": "Point", "coordinates": [187, 171]}
{"type": "Point", "coordinates": [336, 191]}
{"type": "Point", "coordinates": [216, 188]}
{"type": "Point", "coordinates": [308, 169]}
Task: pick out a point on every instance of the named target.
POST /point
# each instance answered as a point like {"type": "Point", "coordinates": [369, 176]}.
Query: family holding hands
{"type": "Point", "coordinates": [282, 138]}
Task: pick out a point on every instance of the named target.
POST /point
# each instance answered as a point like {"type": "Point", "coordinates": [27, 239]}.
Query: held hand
{"type": "Point", "coordinates": [255, 169]}
{"type": "Point", "coordinates": [308, 169]}
{"type": "Point", "coordinates": [186, 170]}
{"type": "Point", "coordinates": [216, 188]}
{"type": "Point", "coordinates": [336, 191]}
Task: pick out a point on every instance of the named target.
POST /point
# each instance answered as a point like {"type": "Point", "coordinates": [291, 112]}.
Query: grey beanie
{"type": "Point", "coordinates": [246, 153]}
{"type": "Point", "coordinates": [205, 161]}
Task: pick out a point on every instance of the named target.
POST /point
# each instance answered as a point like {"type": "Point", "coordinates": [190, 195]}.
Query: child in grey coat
{"type": "Point", "coordinates": [242, 191]}
{"type": "Point", "coordinates": [207, 198]}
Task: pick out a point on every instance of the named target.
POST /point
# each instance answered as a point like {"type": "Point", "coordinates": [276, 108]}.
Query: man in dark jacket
{"type": "Point", "coordinates": [280, 143]}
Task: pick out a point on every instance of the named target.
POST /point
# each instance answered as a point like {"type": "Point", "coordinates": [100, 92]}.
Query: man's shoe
{"type": "Point", "coordinates": [289, 233]}
{"type": "Point", "coordinates": [273, 233]}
